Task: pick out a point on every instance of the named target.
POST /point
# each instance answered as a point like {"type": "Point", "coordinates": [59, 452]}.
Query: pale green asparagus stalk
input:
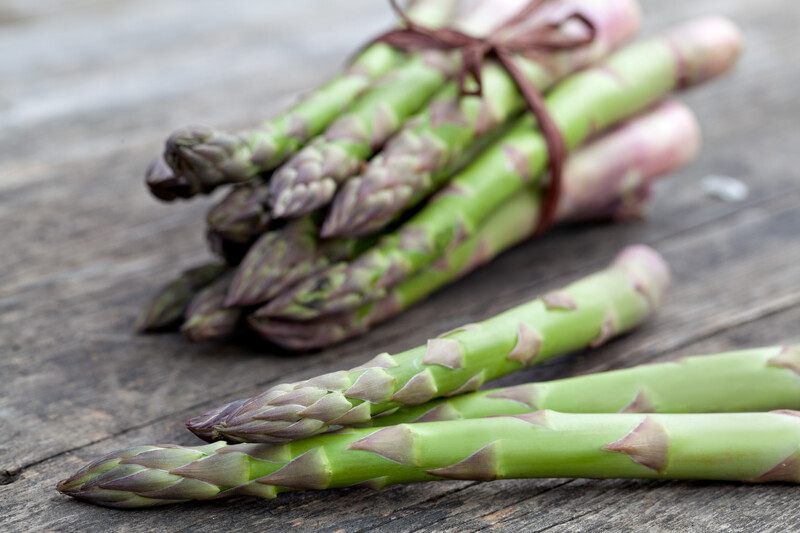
{"type": "Point", "coordinates": [584, 104]}
{"type": "Point", "coordinates": [749, 447]}
{"type": "Point", "coordinates": [587, 312]}
{"type": "Point", "coordinates": [425, 152]}
{"type": "Point", "coordinates": [201, 159]}
{"type": "Point", "coordinates": [310, 178]}
{"type": "Point", "coordinates": [167, 307]}
{"type": "Point", "coordinates": [610, 178]}
{"type": "Point", "coordinates": [759, 379]}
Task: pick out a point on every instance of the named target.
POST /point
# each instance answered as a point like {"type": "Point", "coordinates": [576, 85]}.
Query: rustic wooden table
{"type": "Point", "coordinates": [88, 91]}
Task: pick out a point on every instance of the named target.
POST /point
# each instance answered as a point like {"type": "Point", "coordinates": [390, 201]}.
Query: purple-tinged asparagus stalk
{"type": "Point", "coordinates": [207, 318]}
{"type": "Point", "coordinates": [612, 178]}
{"type": "Point", "coordinates": [285, 256]}
{"type": "Point", "coordinates": [241, 213]}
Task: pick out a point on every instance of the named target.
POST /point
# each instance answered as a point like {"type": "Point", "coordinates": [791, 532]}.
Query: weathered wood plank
{"type": "Point", "coordinates": [89, 245]}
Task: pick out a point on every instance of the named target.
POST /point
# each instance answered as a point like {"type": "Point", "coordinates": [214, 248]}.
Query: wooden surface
{"type": "Point", "coordinates": [89, 90]}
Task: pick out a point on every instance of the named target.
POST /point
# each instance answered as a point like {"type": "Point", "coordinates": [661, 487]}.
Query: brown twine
{"type": "Point", "coordinates": [502, 45]}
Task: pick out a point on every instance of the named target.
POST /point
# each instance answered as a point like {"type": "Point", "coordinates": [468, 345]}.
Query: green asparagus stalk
{"type": "Point", "coordinates": [309, 180]}
{"type": "Point", "coordinates": [203, 159]}
{"type": "Point", "coordinates": [167, 307]}
{"type": "Point", "coordinates": [207, 318]}
{"type": "Point", "coordinates": [759, 379]}
{"type": "Point", "coordinates": [426, 151]}
{"type": "Point", "coordinates": [610, 178]}
{"type": "Point", "coordinates": [241, 213]}
{"type": "Point", "coordinates": [749, 447]}
{"type": "Point", "coordinates": [588, 312]}
{"type": "Point", "coordinates": [584, 104]}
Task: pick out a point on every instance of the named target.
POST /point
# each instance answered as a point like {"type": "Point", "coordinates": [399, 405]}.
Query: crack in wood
{"type": "Point", "coordinates": [8, 477]}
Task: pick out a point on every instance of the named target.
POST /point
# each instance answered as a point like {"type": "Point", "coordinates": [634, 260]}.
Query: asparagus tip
{"type": "Point", "coordinates": [205, 158]}
{"type": "Point", "coordinates": [204, 425]}
{"type": "Point", "coordinates": [163, 183]}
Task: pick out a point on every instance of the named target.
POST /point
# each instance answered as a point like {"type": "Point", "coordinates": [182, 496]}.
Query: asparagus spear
{"type": "Point", "coordinates": [759, 379]}
{"type": "Point", "coordinates": [584, 104]}
{"type": "Point", "coordinates": [310, 178]}
{"type": "Point", "coordinates": [203, 159]}
{"type": "Point", "coordinates": [207, 318]}
{"type": "Point", "coordinates": [750, 447]}
{"type": "Point", "coordinates": [588, 312]}
{"type": "Point", "coordinates": [425, 152]}
{"type": "Point", "coordinates": [611, 178]}
{"type": "Point", "coordinates": [241, 214]}
{"type": "Point", "coordinates": [166, 308]}
{"type": "Point", "coordinates": [281, 258]}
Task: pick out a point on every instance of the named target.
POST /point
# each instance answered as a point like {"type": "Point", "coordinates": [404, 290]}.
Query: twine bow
{"type": "Point", "coordinates": [502, 45]}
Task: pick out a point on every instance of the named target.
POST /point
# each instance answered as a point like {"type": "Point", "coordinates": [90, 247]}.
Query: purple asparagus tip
{"type": "Point", "coordinates": [164, 184]}
{"type": "Point", "coordinates": [204, 425]}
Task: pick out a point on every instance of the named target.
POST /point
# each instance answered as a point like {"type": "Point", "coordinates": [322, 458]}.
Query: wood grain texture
{"type": "Point", "coordinates": [89, 91]}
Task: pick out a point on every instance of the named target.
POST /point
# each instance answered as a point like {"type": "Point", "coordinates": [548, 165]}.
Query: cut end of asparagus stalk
{"type": "Point", "coordinates": [204, 158]}
{"type": "Point", "coordinates": [648, 270]}
{"type": "Point", "coordinates": [715, 45]}
{"type": "Point", "coordinates": [613, 177]}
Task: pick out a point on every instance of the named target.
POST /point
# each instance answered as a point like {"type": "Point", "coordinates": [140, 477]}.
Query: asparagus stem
{"type": "Point", "coordinates": [166, 309]}
{"type": "Point", "coordinates": [610, 178]}
{"type": "Point", "coordinates": [309, 180]}
{"type": "Point", "coordinates": [587, 312]}
{"type": "Point", "coordinates": [207, 318]}
{"type": "Point", "coordinates": [584, 104]}
{"type": "Point", "coordinates": [203, 159]}
{"type": "Point", "coordinates": [435, 142]}
{"type": "Point", "coordinates": [759, 379]}
{"type": "Point", "coordinates": [750, 447]}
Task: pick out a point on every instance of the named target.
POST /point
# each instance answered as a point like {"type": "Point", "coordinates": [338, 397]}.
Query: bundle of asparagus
{"type": "Point", "coordinates": [387, 183]}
